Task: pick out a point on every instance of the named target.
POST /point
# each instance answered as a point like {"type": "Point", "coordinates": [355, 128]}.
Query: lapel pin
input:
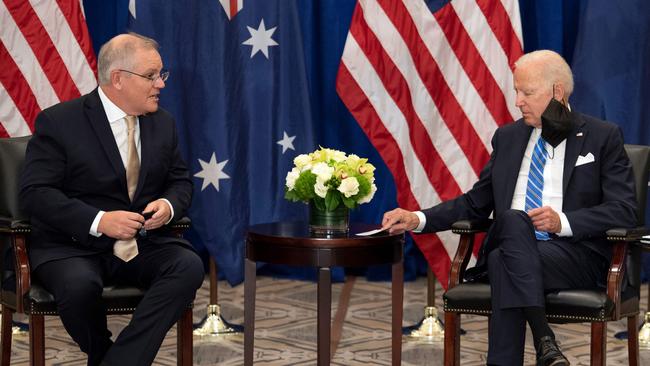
{"type": "Point", "coordinates": [579, 134]}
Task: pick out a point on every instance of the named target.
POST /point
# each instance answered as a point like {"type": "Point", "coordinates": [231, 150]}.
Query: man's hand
{"type": "Point", "coordinates": [161, 214]}
{"type": "Point", "coordinates": [399, 220]}
{"type": "Point", "coordinates": [545, 219]}
{"type": "Point", "coordinates": [121, 225]}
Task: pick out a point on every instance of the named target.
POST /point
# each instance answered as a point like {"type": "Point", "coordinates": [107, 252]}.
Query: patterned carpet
{"type": "Point", "coordinates": [286, 330]}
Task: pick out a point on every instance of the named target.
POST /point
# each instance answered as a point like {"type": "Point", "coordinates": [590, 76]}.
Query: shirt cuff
{"type": "Point", "coordinates": [171, 209]}
{"type": "Point", "coordinates": [423, 221]}
{"type": "Point", "coordinates": [566, 227]}
{"type": "Point", "coordinates": [95, 224]}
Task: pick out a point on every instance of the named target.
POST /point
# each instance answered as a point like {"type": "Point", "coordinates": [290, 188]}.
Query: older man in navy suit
{"type": "Point", "coordinates": [98, 170]}
{"type": "Point", "coordinates": [555, 182]}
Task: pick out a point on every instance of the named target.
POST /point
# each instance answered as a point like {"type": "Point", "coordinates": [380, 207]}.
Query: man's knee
{"type": "Point", "coordinates": [188, 268]}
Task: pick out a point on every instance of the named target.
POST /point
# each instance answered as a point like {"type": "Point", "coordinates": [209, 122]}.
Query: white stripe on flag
{"type": "Point", "coordinates": [12, 121]}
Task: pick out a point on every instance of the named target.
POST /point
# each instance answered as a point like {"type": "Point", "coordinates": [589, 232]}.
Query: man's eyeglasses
{"type": "Point", "coordinates": [164, 75]}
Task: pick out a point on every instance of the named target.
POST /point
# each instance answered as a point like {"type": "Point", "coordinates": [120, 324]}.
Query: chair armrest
{"type": "Point", "coordinates": [616, 274]}
{"type": "Point", "coordinates": [466, 229]}
{"type": "Point", "coordinates": [179, 226]}
{"type": "Point", "coordinates": [622, 234]}
{"type": "Point", "coordinates": [471, 226]}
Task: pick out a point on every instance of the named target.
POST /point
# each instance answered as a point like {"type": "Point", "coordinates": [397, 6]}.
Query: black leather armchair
{"type": "Point", "coordinates": [567, 306]}
{"type": "Point", "coordinates": [19, 293]}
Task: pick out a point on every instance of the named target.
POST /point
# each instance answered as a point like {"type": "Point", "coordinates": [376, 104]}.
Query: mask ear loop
{"type": "Point", "coordinates": [552, 154]}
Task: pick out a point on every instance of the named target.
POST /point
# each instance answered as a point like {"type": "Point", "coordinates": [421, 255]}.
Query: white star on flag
{"type": "Point", "coordinates": [286, 142]}
{"type": "Point", "coordinates": [260, 39]}
{"type": "Point", "coordinates": [212, 172]}
{"type": "Point", "coordinates": [132, 8]}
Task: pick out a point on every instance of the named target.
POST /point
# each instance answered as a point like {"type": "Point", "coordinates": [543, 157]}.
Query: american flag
{"type": "Point", "coordinates": [46, 57]}
{"type": "Point", "coordinates": [429, 82]}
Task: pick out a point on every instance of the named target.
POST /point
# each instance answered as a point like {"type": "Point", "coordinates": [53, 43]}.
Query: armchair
{"type": "Point", "coordinates": [566, 306]}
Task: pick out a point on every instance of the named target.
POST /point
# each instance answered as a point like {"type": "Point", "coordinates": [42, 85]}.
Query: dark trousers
{"type": "Point", "coordinates": [170, 273]}
{"type": "Point", "coordinates": [521, 270]}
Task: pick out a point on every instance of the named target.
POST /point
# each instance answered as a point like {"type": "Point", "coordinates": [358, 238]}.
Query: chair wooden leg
{"type": "Point", "coordinates": [452, 339]}
{"type": "Point", "coordinates": [5, 335]}
{"type": "Point", "coordinates": [598, 343]}
{"type": "Point", "coordinates": [633, 340]}
{"type": "Point", "coordinates": [184, 340]}
{"type": "Point", "coordinates": [36, 340]}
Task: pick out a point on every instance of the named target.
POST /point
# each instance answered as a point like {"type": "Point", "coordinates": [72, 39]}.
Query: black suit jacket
{"type": "Point", "coordinates": [597, 196]}
{"type": "Point", "coordinates": [73, 170]}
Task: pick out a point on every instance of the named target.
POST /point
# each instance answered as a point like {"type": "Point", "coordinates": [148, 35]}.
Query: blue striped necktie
{"type": "Point", "coordinates": [536, 182]}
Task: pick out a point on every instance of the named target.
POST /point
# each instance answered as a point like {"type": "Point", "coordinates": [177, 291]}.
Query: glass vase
{"type": "Point", "coordinates": [329, 223]}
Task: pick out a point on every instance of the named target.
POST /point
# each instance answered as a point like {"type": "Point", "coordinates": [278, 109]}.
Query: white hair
{"type": "Point", "coordinates": [119, 55]}
{"type": "Point", "coordinates": [554, 69]}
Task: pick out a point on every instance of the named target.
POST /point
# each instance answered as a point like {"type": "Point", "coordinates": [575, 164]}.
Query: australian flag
{"type": "Point", "coordinates": [238, 90]}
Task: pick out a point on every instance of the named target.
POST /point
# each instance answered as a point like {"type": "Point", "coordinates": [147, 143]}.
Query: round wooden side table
{"type": "Point", "coordinates": [290, 243]}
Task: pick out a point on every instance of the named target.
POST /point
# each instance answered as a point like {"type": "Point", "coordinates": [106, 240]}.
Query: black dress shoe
{"type": "Point", "coordinates": [549, 354]}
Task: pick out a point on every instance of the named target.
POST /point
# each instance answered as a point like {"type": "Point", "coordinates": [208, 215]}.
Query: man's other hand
{"type": "Point", "coordinates": [399, 220]}
{"type": "Point", "coordinates": [161, 214]}
{"type": "Point", "coordinates": [121, 225]}
{"type": "Point", "coordinates": [545, 219]}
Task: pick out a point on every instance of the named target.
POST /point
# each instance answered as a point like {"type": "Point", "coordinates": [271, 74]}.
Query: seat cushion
{"type": "Point", "coordinates": [567, 306]}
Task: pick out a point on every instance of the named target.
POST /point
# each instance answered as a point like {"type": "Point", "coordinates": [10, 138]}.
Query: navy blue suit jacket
{"type": "Point", "coordinates": [73, 169]}
{"type": "Point", "coordinates": [597, 196]}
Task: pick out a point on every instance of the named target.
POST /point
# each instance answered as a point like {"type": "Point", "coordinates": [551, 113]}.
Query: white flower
{"type": "Point", "coordinates": [292, 176]}
{"type": "Point", "coordinates": [338, 156]}
{"type": "Point", "coordinates": [322, 171]}
{"type": "Point", "coordinates": [319, 188]}
{"type": "Point", "coordinates": [349, 187]}
{"type": "Point", "coordinates": [369, 196]}
{"type": "Point", "coordinates": [301, 160]}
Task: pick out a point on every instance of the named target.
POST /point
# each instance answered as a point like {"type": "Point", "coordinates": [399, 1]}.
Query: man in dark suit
{"type": "Point", "coordinates": [555, 182]}
{"type": "Point", "coordinates": [90, 179]}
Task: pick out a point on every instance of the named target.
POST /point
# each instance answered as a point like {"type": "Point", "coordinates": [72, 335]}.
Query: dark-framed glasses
{"type": "Point", "coordinates": [163, 75]}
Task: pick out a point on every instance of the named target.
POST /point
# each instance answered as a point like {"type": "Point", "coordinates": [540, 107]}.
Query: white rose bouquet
{"type": "Point", "coordinates": [329, 178]}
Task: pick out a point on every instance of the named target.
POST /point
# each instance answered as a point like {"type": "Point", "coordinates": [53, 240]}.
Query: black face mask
{"type": "Point", "coordinates": [557, 122]}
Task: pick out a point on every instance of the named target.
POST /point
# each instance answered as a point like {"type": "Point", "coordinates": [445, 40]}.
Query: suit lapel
{"type": "Point", "coordinates": [97, 117]}
{"type": "Point", "coordinates": [146, 135]}
{"type": "Point", "coordinates": [519, 143]}
{"type": "Point", "coordinates": [574, 144]}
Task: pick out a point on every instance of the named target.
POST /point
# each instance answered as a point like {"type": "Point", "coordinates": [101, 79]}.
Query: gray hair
{"type": "Point", "coordinates": [116, 54]}
{"type": "Point", "coordinates": [554, 69]}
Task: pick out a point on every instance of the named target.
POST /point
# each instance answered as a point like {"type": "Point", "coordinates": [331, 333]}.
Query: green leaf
{"type": "Point", "coordinates": [349, 202]}
{"type": "Point", "coordinates": [319, 203]}
{"type": "Point", "coordinates": [332, 200]}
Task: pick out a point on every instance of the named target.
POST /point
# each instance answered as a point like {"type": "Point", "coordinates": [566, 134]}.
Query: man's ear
{"type": "Point", "coordinates": [116, 79]}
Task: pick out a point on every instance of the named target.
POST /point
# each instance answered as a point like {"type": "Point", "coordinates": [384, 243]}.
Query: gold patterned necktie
{"type": "Point", "coordinates": [128, 249]}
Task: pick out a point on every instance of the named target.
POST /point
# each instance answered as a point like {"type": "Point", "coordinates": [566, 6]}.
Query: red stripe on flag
{"type": "Point", "coordinates": [436, 255]}
{"type": "Point", "coordinates": [233, 8]}
{"type": "Point", "coordinates": [500, 23]}
{"type": "Point", "coordinates": [363, 111]}
{"type": "Point", "coordinates": [397, 87]}
{"type": "Point", "coordinates": [19, 90]}
{"type": "Point", "coordinates": [3, 132]}
{"type": "Point", "coordinates": [72, 12]}
{"type": "Point", "coordinates": [473, 64]}
{"type": "Point", "coordinates": [46, 54]}
{"type": "Point", "coordinates": [450, 110]}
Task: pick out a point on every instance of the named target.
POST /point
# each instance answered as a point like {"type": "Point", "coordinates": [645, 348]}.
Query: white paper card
{"type": "Point", "coordinates": [371, 232]}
